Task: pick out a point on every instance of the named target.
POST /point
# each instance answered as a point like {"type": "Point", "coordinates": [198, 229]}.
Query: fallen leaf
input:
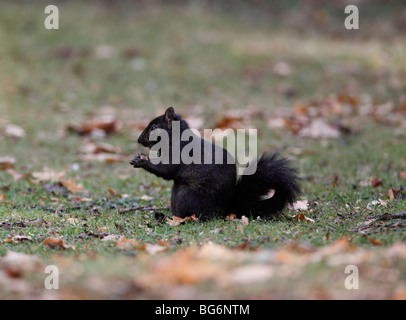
{"type": "Point", "coordinates": [129, 244]}
{"type": "Point", "coordinates": [375, 242]}
{"type": "Point", "coordinates": [105, 124]}
{"type": "Point", "coordinates": [73, 221]}
{"type": "Point", "coordinates": [394, 194]}
{"type": "Point", "coordinates": [16, 175]}
{"type": "Point", "coordinates": [7, 163]}
{"type": "Point", "coordinates": [403, 174]}
{"type": "Point", "coordinates": [37, 222]}
{"type": "Point", "coordinates": [299, 205]}
{"type": "Point", "coordinates": [230, 217]}
{"type": "Point", "coordinates": [191, 218]}
{"type": "Point", "coordinates": [319, 128]}
{"type": "Point", "coordinates": [113, 192]}
{"type": "Point", "coordinates": [375, 203]}
{"type": "Point", "coordinates": [155, 248]}
{"type": "Point", "coordinates": [48, 175]}
{"type": "Point", "coordinates": [14, 131]}
{"type": "Point", "coordinates": [174, 221]}
{"type": "Point", "coordinates": [19, 238]}
{"type": "Point", "coordinates": [301, 217]}
{"type": "Point", "coordinates": [376, 182]}
{"type": "Point", "coordinates": [72, 186]}
{"type": "Point", "coordinates": [54, 243]}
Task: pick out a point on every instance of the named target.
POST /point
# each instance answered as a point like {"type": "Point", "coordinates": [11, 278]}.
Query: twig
{"type": "Point", "coordinates": [387, 216]}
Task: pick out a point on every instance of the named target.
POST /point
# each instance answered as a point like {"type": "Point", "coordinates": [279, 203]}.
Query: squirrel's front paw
{"type": "Point", "coordinates": [139, 160]}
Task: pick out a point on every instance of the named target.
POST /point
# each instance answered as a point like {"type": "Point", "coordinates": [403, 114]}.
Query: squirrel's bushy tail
{"type": "Point", "coordinates": [253, 192]}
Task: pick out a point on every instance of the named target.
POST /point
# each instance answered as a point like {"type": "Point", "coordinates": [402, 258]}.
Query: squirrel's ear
{"type": "Point", "coordinates": [169, 115]}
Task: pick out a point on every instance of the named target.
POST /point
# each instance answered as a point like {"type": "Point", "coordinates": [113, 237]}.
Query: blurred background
{"type": "Point", "coordinates": [112, 65]}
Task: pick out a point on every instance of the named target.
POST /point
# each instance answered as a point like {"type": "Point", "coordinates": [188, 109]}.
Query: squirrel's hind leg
{"type": "Point", "coordinates": [186, 203]}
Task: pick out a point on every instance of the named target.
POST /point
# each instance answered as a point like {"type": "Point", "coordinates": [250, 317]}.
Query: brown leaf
{"type": "Point", "coordinates": [54, 243]}
{"type": "Point", "coordinates": [113, 192]}
{"type": "Point", "coordinates": [403, 174]}
{"type": "Point", "coordinates": [129, 244]}
{"type": "Point", "coordinates": [191, 218]}
{"type": "Point", "coordinates": [107, 124]}
{"type": "Point", "coordinates": [300, 217]}
{"type": "Point", "coordinates": [48, 175]}
{"type": "Point", "coordinates": [375, 242]}
{"type": "Point", "coordinates": [174, 221]}
{"type": "Point", "coordinates": [7, 163]}
{"type": "Point", "coordinates": [72, 186]}
{"type": "Point", "coordinates": [394, 194]}
{"type": "Point", "coordinates": [376, 182]}
{"type": "Point", "coordinates": [230, 217]}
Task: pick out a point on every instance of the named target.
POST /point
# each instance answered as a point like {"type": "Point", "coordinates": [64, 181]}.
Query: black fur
{"type": "Point", "coordinates": [212, 190]}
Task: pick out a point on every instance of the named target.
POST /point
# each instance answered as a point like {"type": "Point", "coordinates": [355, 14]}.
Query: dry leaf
{"type": "Point", "coordinates": [113, 192]}
{"type": "Point", "coordinates": [376, 182]}
{"type": "Point", "coordinates": [394, 194]}
{"type": "Point", "coordinates": [403, 174]}
{"type": "Point", "coordinates": [155, 248]}
{"type": "Point", "coordinates": [129, 244]}
{"type": "Point", "coordinates": [299, 205]}
{"type": "Point", "coordinates": [7, 163]}
{"type": "Point", "coordinates": [175, 221]}
{"type": "Point", "coordinates": [48, 175]}
{"type": "Point", "coordinates": [71, 186]}
{"type": "Point", "coordinates": [14, 131]}
{"type": "Point", "coordinates": [54, 243]}
{"type": "Point", "coordinates": [191, 218]}
{"type": "Point", "coordinates": [378, 202]}
{"type": "Point", "coordinates": [105, 124]}
{"type": "Point", "coordinates": [73, 221]}
{"type": "Point", "coordinates": [319, 128]}
{"type": "Point", "coordinates": [375, 242]}
{"type": "Point", "coordinates": [19, 238]}
{"type": "Point", "coordinates": [230, 217]}
{"type": "Point", "coordinates": [301, 217]}
{"type": "Point", "coordinates": [15, 175]}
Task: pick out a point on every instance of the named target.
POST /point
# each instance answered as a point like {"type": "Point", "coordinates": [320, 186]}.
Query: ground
{"type": "Point", "coordinates": [74, 100]}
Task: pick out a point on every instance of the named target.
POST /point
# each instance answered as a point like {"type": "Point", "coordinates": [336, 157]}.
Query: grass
{"type": "Point", "coordinates": [202, 60]}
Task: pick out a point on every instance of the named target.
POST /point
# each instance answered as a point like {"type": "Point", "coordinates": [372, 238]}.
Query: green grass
{"type": "Point", "coordinates": [203, 61]}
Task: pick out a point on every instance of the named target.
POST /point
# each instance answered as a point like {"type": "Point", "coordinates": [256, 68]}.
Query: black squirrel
{"type": "Point", "coordinates": [209, 190]}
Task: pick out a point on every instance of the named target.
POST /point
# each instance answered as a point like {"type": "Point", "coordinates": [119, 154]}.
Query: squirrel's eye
{"type": "Point", "coordinates": [154, 127]}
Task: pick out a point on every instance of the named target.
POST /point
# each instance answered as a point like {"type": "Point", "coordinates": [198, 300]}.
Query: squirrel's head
{"type": "Point", "coordinates": [163, 122]}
